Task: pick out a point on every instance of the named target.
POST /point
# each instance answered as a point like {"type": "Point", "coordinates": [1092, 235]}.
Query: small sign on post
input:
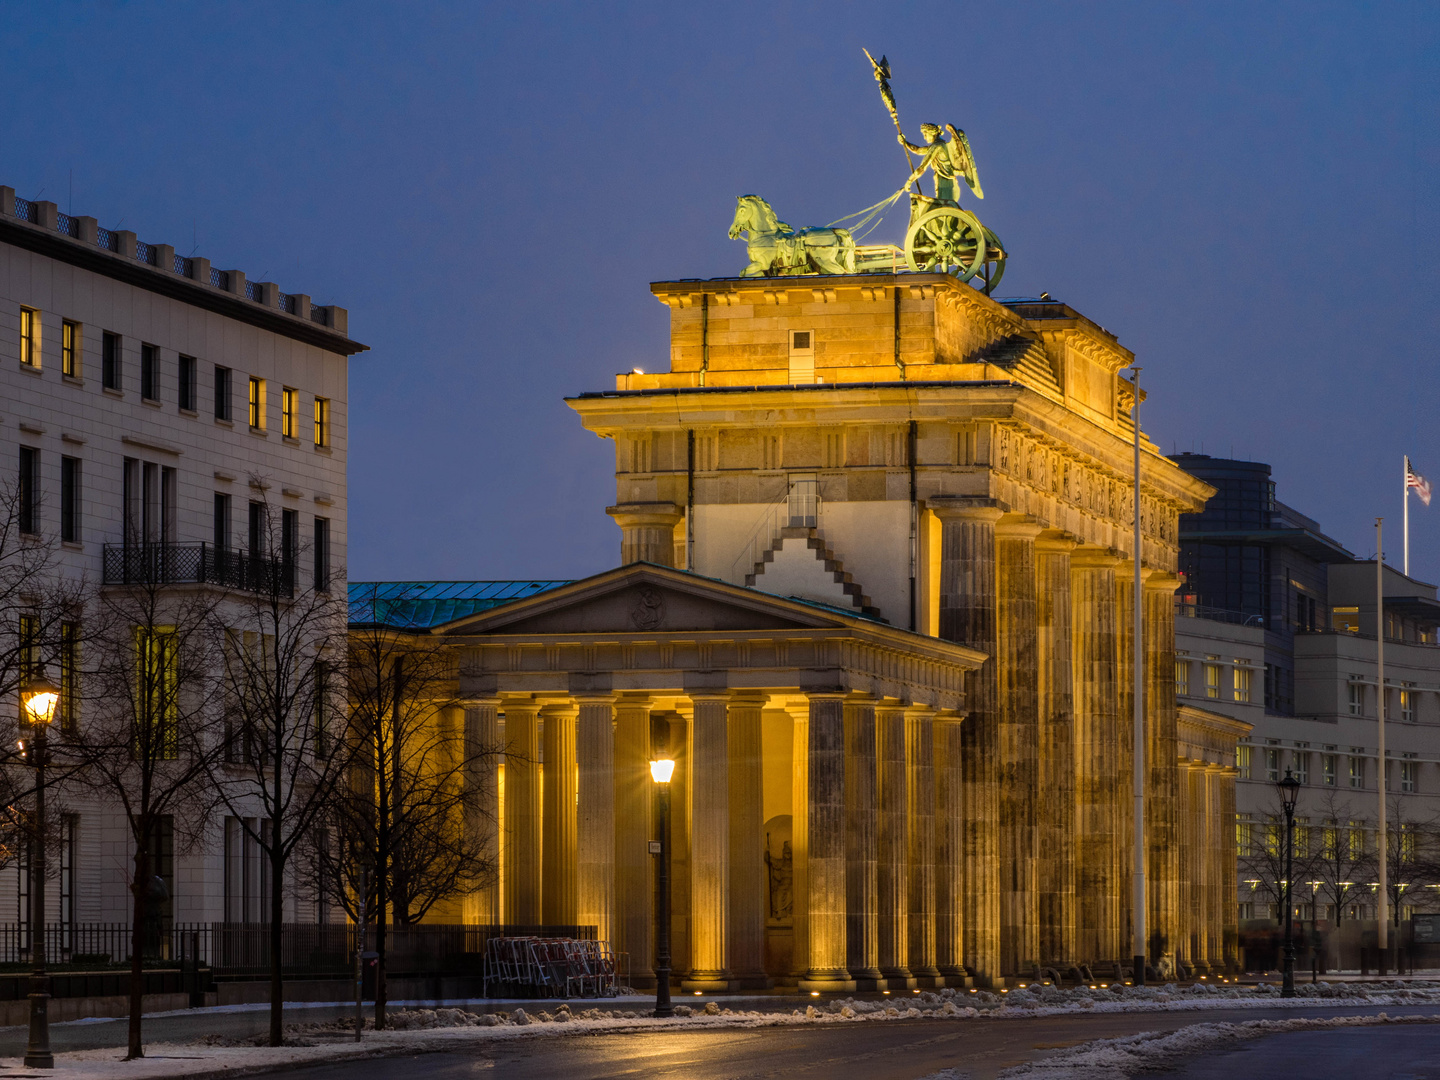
{"type": "Point", "coordinates": [654, 847]}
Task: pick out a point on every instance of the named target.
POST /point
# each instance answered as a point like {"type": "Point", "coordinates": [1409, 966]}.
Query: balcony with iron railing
{"type": "Point", "coordinates": [197, 564]}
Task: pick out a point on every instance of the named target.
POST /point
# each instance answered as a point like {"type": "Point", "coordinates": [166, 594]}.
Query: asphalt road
{"type": "Point", "coordinates": [900, 1050]}
{"type": "Point", "coordinates": [1378, 1053]}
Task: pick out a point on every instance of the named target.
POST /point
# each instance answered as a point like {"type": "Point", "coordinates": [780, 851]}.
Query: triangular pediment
{"type": "Point", "coordinates": [643, 599]}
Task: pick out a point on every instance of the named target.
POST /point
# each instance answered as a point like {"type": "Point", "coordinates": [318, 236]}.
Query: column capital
{"type": "Point", "coordinates": [471, 701]}
{"type": "Point", "coordinates": [645, 513]}
{"type": "Point", "coordinates": [1162, 580]}
{"type": "Point", "coordinates": [1056, 542]}
{"type": "Point", "coordinates": [950, 716]}
{"type": "Point", "coordinates": [920, 712]}
{"type": "Point", "coordinates": [963, 507]}
{"type": "Point", "coordinates": [826, 695]}
{"type": "Point", "coordinates": [593, 697]}
{"type": "Point", "coordinates": [1018, 527]}
{"type": "Point", "coordinates": [1094, 557]}
{"type": "Point", "coordinates": [558, 709]}
{"type": "Point", "coordinates": [523, 703]}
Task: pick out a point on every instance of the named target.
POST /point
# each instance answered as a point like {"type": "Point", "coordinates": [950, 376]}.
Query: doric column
{"type": "Point", "coordinates": [968, 617]}
{"type": "Point", "coordinates": [1194, 866]}
{"type": "Point", "coordinates": [892, 845]}
{"type": "Point", "coordinates": [1016, 679]}
{"type": "Point", "coordinates": [634, 920]}
{"type": "Point", "coordinates": [1229, 906]}
{"type": "Point", "coordinates": [920, 805]}
{"type": "Point", "coordinates": [522, 814]}
{"type": "Point", "coordinates": [749, 877]}
{"type": "Point", "coordinates": [595, 813]}
{"type": "Point", "coordinates": [1055, 806]}
{"type": "Point", "coordinates": [709, 843]}
{"type": "Point", "coordinates": [647, 531]}
{"type": "Point", "coordinates": [1123, 787]}
{"type": "Point", "coordinates": [1092, 598]}
{"type": "Point", "coordinates": [1165, 926]}
{"type": "Point", "coordinates": [482, 813]}
{"type": "Point", "coordinates": [952, 898]}
{"type": "Point", "coordinates": [561, 902]}
{"type": "Point", "coordinates": [825, 840]}
{"type": "Point", "coordinates": [800, 839]}
{"type": "Point", "coordinates": [862, 943]}
{"type": "Point", "coordinates": [1218, 831]}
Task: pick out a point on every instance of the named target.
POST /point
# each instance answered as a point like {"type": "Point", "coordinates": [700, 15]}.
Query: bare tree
{"type": "Point", "coordinates": [1262, 865]}
{"type": "Point", "coordinates": [147, 736]}
{"type": "Point", "coordinates": [1412, 845]}
{"type": "Point", "coordinates": [283, 647]}
{"type": "Point", "coordinates": [1340, 858]}
{"type": "Point", "coordinates": [402, 828]}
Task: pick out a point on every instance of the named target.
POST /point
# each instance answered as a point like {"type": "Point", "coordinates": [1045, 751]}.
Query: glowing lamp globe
{"type": "Point", "coordinates": [661, 770]}
{"type": "Point", "coordinates": [40, 696]}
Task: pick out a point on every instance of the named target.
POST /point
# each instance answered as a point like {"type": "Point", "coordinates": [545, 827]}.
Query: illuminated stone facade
{"type": "Point", "coordinates": [940, 484]}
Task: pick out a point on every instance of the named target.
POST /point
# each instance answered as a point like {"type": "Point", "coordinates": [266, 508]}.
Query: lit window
{"type": "Point", "coordinates": [70, 349]}
{"type": "Point", "coordinates": [1244, 834]}
{"type": "Point", "coordinates": [1242, 761]}
{"type": "Point", "coordinates": [1327, 769]}
{"type": "Point", "coordinates": [1242, 681]}
{"type": "Point", "coordinates": [289, 413]}
{"type": "Point", "coordinates": [1302, 837]}
{"type": "Point", "coordinates": [1357, 772]}
{"type": "Point", "coordinates": [257, 403]}
{"type": "Point", "coordinates": [322, 421]}
{"type": "Point", "coordinates": [1182, 677]}
{"type": "Point", "coordinates": [1356, 840]}
{"type": "Point", "coordinates": [1300, 764]}
{"type": "Point", "coordinates": [1407, 703]}
{"type": "Point", "coordinates": [1345, 619]}
{"type": "Point", "coordinates": [1212, 677]}
{"type": "Point", "coordinates": [29, 337]}
{"type": "Point", "coordinates": [1272, 764]}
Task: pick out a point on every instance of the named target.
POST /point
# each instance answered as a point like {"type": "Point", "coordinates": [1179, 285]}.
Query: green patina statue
{"type": "Point", "coordinates": [942, 236]}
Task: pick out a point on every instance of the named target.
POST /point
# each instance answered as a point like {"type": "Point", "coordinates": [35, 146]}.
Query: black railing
{"type": "Point", "coordinates": [203, 564]}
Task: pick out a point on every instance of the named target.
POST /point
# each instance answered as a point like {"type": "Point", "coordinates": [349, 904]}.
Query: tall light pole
{"type": "Point", "coordinates": [1382, 926]}
{"type": "Point", "coordinates": [40, 696]}
{"type": "Point", "coordinates": [660, 771]}
{"type": "Point", "coordinates": [1289, 791]}
{"type": "Point", "coordinates": [1137, 663]}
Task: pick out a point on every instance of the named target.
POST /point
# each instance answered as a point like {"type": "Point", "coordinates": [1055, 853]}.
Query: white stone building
{"type": "Point", "coordinates": [134, 380]}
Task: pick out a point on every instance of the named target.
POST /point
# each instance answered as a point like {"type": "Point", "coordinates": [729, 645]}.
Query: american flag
{"type": "Point", "coordinates": [1418, 482]}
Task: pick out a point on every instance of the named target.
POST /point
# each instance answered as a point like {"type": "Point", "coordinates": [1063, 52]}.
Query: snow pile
{"type": "Point", "coordinates": [1154, 1051]}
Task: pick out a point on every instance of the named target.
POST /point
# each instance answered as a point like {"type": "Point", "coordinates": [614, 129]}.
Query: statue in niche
{"type": "Point", "coordinates": [782, 880]}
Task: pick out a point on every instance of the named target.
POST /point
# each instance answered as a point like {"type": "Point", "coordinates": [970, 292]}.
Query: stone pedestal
{"type": "Point", "coordinates": [825, 842]}
{"type": "Point", "coordinates": [634, 829]}
{"type": "Point", "coordinates": [709, 844]}
{"type": "Point", "coordinates": [561, 903]}
{"type": "Point", "coordinates": [595, 814]}
{"type": "Point", "coordinates": [749, 876]}
{"type": "Point", "coordinates": [968, 617]}
{"type": "Point", "coordinates": [521, 850]}
{"type": "Point", "coordinates": [892, 842]}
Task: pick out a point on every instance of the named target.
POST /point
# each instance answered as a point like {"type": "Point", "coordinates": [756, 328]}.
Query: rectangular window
{"type": "Point", "coordinates": [222, 522]}
{"type": "Point", "coordinates": [257, 403]}
{"type": "Point", "coordinates": [259, 541]}
{"type": "Point", "coordinates": [29, 337]}
{"type": "Point", "coordinates": [162, 865]}
{"type": "Point", "coordinates": [222, 393]}
{"type": "Point", "coordinates": [1242, 681]}
{"type": "Point", "coordinates": [322, 421]}
{"type": "Point", "coordinates": [1244, 835]}
{"type": "Point", "coordinates": [322, 703]}
{"type": "Point", "coordinates": [1355, 840]}
{"type": "Point", "coordinates": [1182, 678]}
{"type": "Point", "coordinates": [29, 490]}
{"type": "Point", "coordinates": [70, 499]}
{"type": "Point", "coordinates": [110, 360]}
{"type": "Point", "coordinates": [1302, 838]}
{"type": "Point", "coordinates": [70, 349]}
{"type": "Point", "coordinates": [1272, 764]}
{"type": "Point", "coordinates": [1300, 763]}
{"type": "Point", "coordinates": [1242, 761]}
{"type": "Point", "coordinates": [1407, 777]}
{"type": "Point", "coordinates": [289, 413]}
{"type": "Point", "coordinates": [27, 638]}
{"type": "Point", "coordinates": [1345, 619]}
{"type": "Point", "coordinates": [157, 684]}
{"type": "Point", "coordinates": [322, 554]}
{"type": "Point", "coordinates": [289, 545]}
{"type": "Point", "coordinates": [1357, 772]}
{"type": "Point", "coordinates": [189, 383]}
{"type": "Point", "coordinates": [68, 708]}
{"type": "Point", "coordinates": [149, 372]}
{"type": "Point", "coordinates": [69, 879]}
{"type": "Point", "coordinates": [1212, 677]}
{"type": "Point", "coordinates": [1407, 703]}
{"type": "Point", "coordinates": [1357, 697]}
{"type": "Point", "coordinates": [802, 356]}
{"type": "Point", "coordinates": [1327, 769]}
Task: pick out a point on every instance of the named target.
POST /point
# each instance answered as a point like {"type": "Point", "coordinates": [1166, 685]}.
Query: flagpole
{"type": "Point", "coordinates": [1382, 854]}
{"type": "Point", "coordinates": [1405, 517]}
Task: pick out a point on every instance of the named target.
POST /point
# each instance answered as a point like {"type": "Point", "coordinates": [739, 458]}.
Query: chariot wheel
{"type": "Point", "coordinates": [994, 266]}
{"type": "Point", "coordinates": [948, 240]}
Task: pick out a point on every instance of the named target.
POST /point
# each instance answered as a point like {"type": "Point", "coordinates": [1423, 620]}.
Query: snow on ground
{"type": "Point", "coordinates": [1154, 1051]}
{"type": "Point", "coordinates": [422, 1030]}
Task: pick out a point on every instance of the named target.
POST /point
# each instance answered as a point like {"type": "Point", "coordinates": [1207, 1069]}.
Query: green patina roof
{"type": "Point", "coordinates": [420, 605]}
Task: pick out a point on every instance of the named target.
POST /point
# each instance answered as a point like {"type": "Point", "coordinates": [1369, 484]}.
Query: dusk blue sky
{"type": "Point", "coordinates": [1244, 193]}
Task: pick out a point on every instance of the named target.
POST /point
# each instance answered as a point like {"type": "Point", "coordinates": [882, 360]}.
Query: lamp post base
{"type": "Point", "coordinates": [37, 1052]}
{"type": "Point", "coordinates": [1138, 969]}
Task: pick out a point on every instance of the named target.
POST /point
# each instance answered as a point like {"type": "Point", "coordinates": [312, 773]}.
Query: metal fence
{"type": "Point", "coordinates": [167, 564]}
{"type": "Point", "coordinates": [243, 949]}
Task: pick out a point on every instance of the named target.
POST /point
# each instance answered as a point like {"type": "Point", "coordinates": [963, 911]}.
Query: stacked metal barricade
{"type": "Point", "coordinates": [530, 967]}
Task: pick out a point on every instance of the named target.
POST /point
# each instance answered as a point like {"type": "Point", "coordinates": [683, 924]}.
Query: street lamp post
{"type": "Point", "coordinates": [660, 771]}
{"type": "Point", "coordinates": [40, 696]}
{"type": "Point", "coordinates": [1289, 791]}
